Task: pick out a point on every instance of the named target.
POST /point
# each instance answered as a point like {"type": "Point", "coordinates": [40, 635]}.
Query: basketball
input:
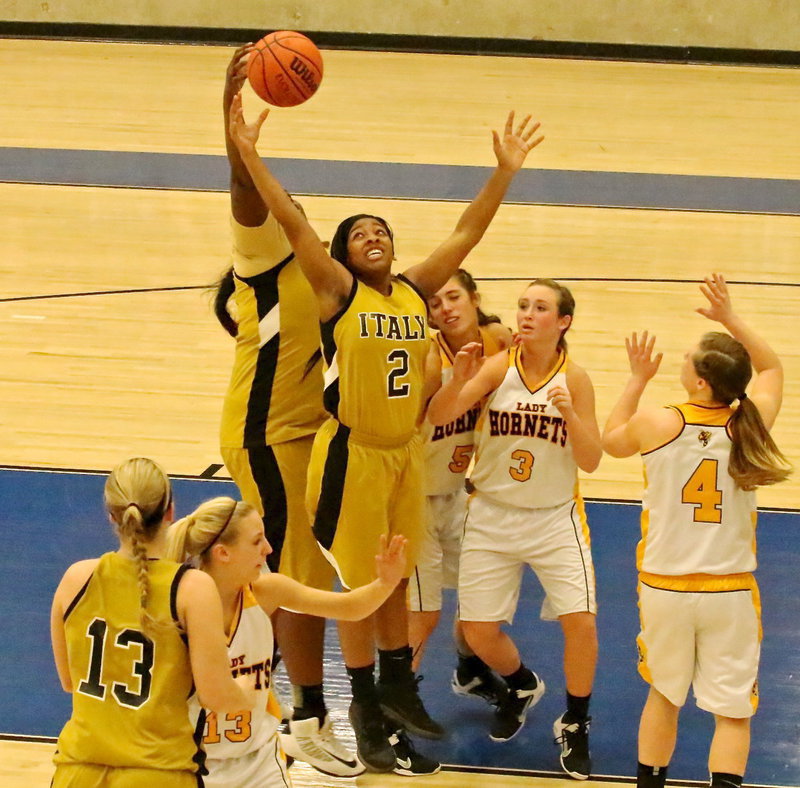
{"type": "Point", "coordinates": [285, 68]}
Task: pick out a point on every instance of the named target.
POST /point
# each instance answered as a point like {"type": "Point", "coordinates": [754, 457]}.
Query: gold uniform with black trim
{"type": "Point", "coordinates": [130, 722]}
{"type": "Point", "coordinates": [365, 477]}
{"type": "Point", "coordinates": [273, 406]}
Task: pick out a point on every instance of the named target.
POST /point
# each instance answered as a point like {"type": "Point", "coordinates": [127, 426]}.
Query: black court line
{"type": "Point", "coordinates": [453, 183]}
{"type": "Point", "coordinates": [395, 42]}
{"type": "Point", "coordinates": [605, 279]}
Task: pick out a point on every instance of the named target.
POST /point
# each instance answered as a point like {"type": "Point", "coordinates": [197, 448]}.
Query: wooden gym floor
{"type": "Point", "coordinates": [651, 176]}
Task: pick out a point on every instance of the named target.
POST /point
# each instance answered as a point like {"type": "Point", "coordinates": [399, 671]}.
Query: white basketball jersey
{"type": "Point", "coordinates": [250, 647]}
{"type": "Point", "coordinates": [523, 456]}
{"type": "Point", "coordinates": [695, 519]}
{"type": "Point", "coordinates": [449, 447]}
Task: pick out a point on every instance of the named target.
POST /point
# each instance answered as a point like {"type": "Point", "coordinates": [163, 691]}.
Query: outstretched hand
{"type": "Point", "coordinates": [390, 562]}
{"type": "Point", "coordinates": [719, 300]}
{"type": "Point", "coordinates": [236, 73]}
{"type": "Point", "coordinates": [516, 143]}
{"type": "Point", "coordinates": [243, 134]}
{"type": "Point", "coordinates": [644, 364]}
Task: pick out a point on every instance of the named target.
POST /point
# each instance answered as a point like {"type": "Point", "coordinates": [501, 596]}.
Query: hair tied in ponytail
{"type": "Point", "coordinates": [742, 397]}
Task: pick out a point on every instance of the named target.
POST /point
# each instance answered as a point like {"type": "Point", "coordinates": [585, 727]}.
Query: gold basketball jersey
{"type": "Point", "coordinates": [449, 447]}
{"type": "Point", "coordinates": [375, 349]}
{"type": "Point", "coordinates": [130, 689]}
{"type": "Point", "coordinates": [695, 519]}
{"type": "Point", "coordinates": [275, 389]}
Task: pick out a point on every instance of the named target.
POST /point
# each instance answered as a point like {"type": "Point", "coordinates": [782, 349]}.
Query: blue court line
{"type": "Point", "coordinates": [199, 172]}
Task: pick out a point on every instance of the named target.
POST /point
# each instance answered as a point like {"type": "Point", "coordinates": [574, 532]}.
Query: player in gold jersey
{"type": "Point", "coordinates": [132, 635]}
{"type": "Point", "coordinates": [365, 474]}
{"type": "Point", "coordinates": [698, 600]}
{"type": "Point", "coordinates": [272, 410]}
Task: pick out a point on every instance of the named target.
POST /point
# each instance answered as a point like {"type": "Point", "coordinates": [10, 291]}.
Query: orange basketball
{"type": "Point", "coordinates": [285, 68]}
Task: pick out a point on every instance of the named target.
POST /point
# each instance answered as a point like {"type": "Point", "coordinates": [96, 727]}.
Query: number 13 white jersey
{"type": "Point", "coordinates": [523, 456]}
{"type": "Point", "coordinates": [695, 519]}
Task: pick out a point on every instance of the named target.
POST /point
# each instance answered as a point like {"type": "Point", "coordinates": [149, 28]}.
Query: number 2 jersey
{"type": "Point", "coordinates": [250, 650]}
{"type": "Point", "coordinates": [523, 456]}
{"type": "Point", "coordinates": [130, 690]}
{"type": "Point", "coordinates": [448, 447]}
{"type": "Point", "coordinates": [375, 349]}
{"type": "Point", "coordinates": [695, 519]}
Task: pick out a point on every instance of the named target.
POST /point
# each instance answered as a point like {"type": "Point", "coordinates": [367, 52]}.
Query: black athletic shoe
{"type": "Point", "coordinates": [487, 686]}
{"type": "Point", "coordinates": [509, 717]}
{"type": "Point", "coordinates": [373, 747]}
{"type": "Point", "coordinates": [408, 761]}
{"type": "Point", "coordinates": [574, 740]}
{"type": "Point", "coordinates": [401, 703]}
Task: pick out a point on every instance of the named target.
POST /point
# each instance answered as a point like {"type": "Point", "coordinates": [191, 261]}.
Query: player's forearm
{"type": "Point", "coordinates": [626, 405]}
{"type": "Point", "coordinates": [478, 215]}
{"type": "Point", "coordinates": [446, 404]}
{"type": "Point", "coordinates": [762, 356]}
{"type": "Point", "coordinates": [587, 449]}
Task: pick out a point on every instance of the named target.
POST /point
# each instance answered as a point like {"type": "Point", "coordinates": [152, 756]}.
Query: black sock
{"type": "Point", "coordinates": [470, 666]}
{"type": "Point", "coordinates": [577, 708]}
{"type": "Point", "coordinates": [521, 677]}
{"type": "Point", "coordinates": [395, 665]}
{"type": "Point", "coordinates": [650, 776]}
{"type": "Point", "coordinates": [362, 684]}
{"type": "Point", "coordinates": [725, 780]}
{"type": "Point", "coordinates": [308, 702]}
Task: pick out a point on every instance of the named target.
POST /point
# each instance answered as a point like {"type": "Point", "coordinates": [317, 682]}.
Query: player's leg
{"type": "Point", "coordinates": [347, 524]}
{"type": "Point", "coordinates": [666, 646]}
{"type": "Point", "coordinates": [728, 652]}
{"type": "Point", "coordinates": [488, 590]}
{"type": "Point", "coordinates": [398, 687]}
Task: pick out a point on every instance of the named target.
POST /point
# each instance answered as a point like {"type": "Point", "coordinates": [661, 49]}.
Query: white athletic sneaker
{"type": "Point", "coordinates": [318, 747]}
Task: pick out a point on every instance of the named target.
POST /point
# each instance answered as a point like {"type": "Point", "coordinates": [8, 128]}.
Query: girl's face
{"type": "Point", "coordinates": [369, 248]}
{"type": "Point", "coordinates": [537, 315]}
{"type": "Point", "coordinates": [248, 552]}
{"type": "Point", "coordinates": [454, 309]}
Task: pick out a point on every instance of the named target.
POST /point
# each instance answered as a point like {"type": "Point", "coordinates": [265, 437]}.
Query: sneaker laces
{"type": "Point", "coordinates": [571, 728]}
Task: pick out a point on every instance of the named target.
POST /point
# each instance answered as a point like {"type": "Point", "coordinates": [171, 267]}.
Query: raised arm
{"type": "Point", "coordinates": [200, 613]}
{"type": "Point", "coordinates": [766, 391]}
{"type": "Point", "coordinates": [430, 275]}
{"type": "Point", "coordinates": [575, 403]}
{"type": "Point", "coordinates": [474, 376]}
{"type": "Point", "coordinates": [275, 590]}
{"type": "Point", "coordinates": [621, 436]}
{"type": "Point", "coordinates": [330, 280]}
{"type": "Point", "coordinates": [246, 204]}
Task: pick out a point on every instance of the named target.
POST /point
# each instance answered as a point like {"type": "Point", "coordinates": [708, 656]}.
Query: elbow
{"type": "Point", "coordinates": [591, 462]}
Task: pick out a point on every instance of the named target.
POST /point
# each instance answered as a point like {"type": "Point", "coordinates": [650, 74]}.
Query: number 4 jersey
{"type": "Point", "coordinates": [695, 519]}
{"type": "Point", "coordinates": [130, 690]}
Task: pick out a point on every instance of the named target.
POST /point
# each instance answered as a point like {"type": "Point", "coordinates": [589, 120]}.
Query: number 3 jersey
{"type": "Point", "coordinates": [130, 690]}
{"type": "Point", "coordinates": [250, 649]}
{"type": "Point", "coordinates": [695, 519]}
{"type": "Point", "coordinates": [375, 349]}
{"type": "Point", "coordinates": [523, 456]}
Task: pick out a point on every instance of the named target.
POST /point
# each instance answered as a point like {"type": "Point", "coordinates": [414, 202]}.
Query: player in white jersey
{"type": "Point", "coordinates": [537, 428]}
{"type": "Point", "coordinates": [226, 539]}
{"type": "Point", "coordinates": [698, 600]}
{"type": "Point", "coordinates": [455, 311]}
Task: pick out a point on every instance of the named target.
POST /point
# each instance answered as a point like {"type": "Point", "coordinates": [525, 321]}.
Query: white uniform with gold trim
{"type": "Point", "coordinates": [699, 603]}
{"type": "Point", "coordinates": [448, 453]}
{"type": "Point", "coordinates": [527, 508]}
{"type": "Point", "coordinates": [243, 748]}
